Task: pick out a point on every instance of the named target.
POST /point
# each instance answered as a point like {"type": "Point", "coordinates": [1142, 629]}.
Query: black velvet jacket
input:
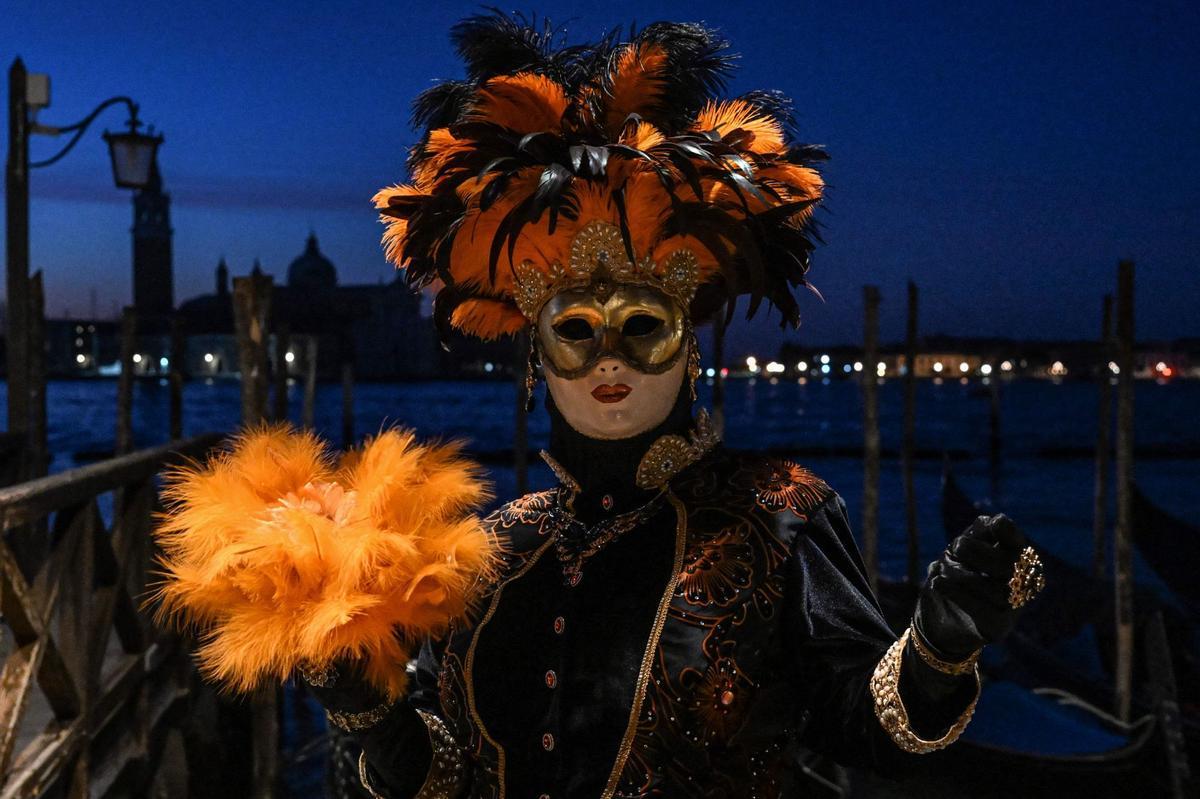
{"type": "Point", "coordinates": [674, 641]}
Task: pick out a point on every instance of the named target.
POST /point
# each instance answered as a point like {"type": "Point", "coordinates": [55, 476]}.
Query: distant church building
{"type": "Point", "coordinates": [376, 327]}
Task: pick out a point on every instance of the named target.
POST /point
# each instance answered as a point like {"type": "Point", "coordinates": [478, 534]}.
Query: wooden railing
{"type": "Point", "coordinates": [91, 694]}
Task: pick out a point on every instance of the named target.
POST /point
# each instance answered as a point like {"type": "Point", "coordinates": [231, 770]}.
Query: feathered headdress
{"type": "Point", "coordinates": [541, 139]}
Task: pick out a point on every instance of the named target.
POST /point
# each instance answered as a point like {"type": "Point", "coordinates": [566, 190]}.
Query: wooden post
{"type": "Point", "coordinates": [1103, 446]}
{"type": "Point", "coordinates": [39, 455]}
{"type": "Point", "coordinates": [347, 404]}
{"type": "Point", "coordinates": [910, 436]}
{"type": "Point", "coordinates": [994, 442]}
{"type": "Point", "coordinates": [251, 309]}
{"type": "Point", "coordinates": [523, 354]}
{"type": "Point", "coordinates": [125, 382]}
{"type": "Point", "coordinates": [870, 385]}
{"type": "Point", "coordinates": [718, 395]}
{"type": "Point", "coordinates": [1122, 545]}
{"type": "Point", "coordinates": [309, 410]}
{"type": "Point", "coordinates": [16, 241]}
{"type": "Point", "coordinates": [282, 346]}
{"type": "Point", "coordinates": [178, 356]}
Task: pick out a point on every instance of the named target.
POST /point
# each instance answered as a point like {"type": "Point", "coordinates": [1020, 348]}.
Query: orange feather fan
{"type": "Point", "coordinates": [280, 558]}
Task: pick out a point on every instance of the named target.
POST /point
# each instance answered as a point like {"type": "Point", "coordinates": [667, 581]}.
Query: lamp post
{"type": "Point", "coordinates": [132, 155]}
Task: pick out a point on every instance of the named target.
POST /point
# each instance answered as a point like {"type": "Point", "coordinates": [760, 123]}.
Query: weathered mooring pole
{"type": "Point", "coordinates": [1122, 544]}
{"type": "Point", "coordinates": [870, 387]}
{"type": "Point", "coordinates": [910, 437]}
{"type": "Point", "coordinates": [279, 409]}
{"type": "Point", "coordinates": [718, 395]}
{"type": "Point", "coordinates": [178, 356]}
{"type": "Point", "coordinates": [1103, 446]}
{"type": "Point", "coordinates": [251, 310]}
{"type": "Point", "coordinates": [125, 381]}
{"type": "Point", "coordinates": [308, 411]}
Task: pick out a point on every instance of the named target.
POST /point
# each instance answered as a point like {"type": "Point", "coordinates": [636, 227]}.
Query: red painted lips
{"type": "Point", "coordinates": [614, 393]}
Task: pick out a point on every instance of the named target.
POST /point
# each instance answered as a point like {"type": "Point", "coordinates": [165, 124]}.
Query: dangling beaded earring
{"type": "Point", "coordinates": [693, 364]}
{"type": "Point", "coordinates": [531, 364]}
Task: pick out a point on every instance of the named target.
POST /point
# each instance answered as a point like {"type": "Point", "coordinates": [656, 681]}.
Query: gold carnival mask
{"type": "Point", "coordinates": [601, 305]}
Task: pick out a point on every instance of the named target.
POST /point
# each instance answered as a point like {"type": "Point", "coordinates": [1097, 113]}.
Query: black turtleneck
{"type": "Point", "coordinates": [608, 467]}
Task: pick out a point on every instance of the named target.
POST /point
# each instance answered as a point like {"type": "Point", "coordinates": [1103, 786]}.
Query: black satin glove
{"type": "Point", "coordinates": [964, 603]}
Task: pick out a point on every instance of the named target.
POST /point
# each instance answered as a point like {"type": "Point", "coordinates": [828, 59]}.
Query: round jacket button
{"type": "Point", "coordinates": [548, 742]}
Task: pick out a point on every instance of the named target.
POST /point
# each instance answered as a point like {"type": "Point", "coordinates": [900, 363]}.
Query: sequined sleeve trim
{"type": "Point", "coordinates": [447, 771]}
{"type": "Point", "coordinates": [889, 707]}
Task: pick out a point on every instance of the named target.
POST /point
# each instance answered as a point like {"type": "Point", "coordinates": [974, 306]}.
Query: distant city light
{"type": "Point", "coordinates": [710, 372]}
{"type": "Point", "coordinates": [1006, 366]}
{"type": "Point", "coordinates": [802, 366]}
{"type": "Point", "coordinates": [91, 328]}
{"type": "Point", "coordinates": [858, 366]}
{"type": "Point", "coordinates": [962, 367]}
{"type": "Point", "coordinates": [78, 328]}
{"type": "Point", "coordinates": [881, 368]}
{"type": "Point", "coordinates": [489, 366]}
{"type": "Point", "coordinates": [1112, 367]}
{"type": "Point", "coordinates": [163, 362]}
{"type": "Point", "coordinates": [724, 371]}
{"type": "Point", "coordinates": [78, 342]}
{"type": "Point", "coordinates": [137, 357]}
{"type": "Point", "coordinates": [846, 368]}
{"type": "Point", "coordinates": [986, 369]}
{"type": "Point", "coordinates": [209, 357]}
{"type": "Point", "coordinates": [290, 356]}
{"type": "Point", "coordinates": [1058, 369]}
{"type": "Point", "coordinates": [1160, 366]}
{"type": "Point", "coordinates": [80, 358]}
{"type": "Point", "coordinates": [752, 364]}
{"type": "Point", "coordinates": [825, 369]}
{"type": "Point", "coordinates": [774, 367]}
{"type": "Point", "coordinates": [824, 359]}
{"type": "Point", "coordinates": [937, 367]}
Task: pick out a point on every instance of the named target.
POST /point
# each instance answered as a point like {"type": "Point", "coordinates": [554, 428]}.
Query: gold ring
{"type": "Point", "coordinates": [1027, 580]}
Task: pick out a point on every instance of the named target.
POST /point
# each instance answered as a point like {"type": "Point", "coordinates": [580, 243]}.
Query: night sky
{"type": "Point", "coordinates": [1004, 156]}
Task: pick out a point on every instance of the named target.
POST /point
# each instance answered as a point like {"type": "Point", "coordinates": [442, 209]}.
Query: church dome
{"type": "Point", "coordinates": [312, 271]}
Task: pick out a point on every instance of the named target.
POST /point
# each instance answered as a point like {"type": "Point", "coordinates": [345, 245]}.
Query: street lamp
{"type": "Point", "coordinates": [132, 154]}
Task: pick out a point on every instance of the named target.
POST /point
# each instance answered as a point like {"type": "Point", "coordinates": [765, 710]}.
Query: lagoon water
{"type": "Point", "coordinates": [1045, 481]}
{"type": "Point", "coordinates": [1047, 493]}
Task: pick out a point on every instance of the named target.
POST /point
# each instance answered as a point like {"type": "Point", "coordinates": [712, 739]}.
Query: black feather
{"type": "Point", "coordinates": [442, 105]}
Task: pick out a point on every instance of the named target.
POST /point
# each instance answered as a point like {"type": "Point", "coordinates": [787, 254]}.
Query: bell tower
{"type": "Point", "coordinates": [153, 278]}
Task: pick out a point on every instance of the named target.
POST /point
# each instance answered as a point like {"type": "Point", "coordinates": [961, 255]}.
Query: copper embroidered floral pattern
{"type": "Point", "coordinates": [717, 569]}
{"type": "Point", "coordinates": [781, 484]}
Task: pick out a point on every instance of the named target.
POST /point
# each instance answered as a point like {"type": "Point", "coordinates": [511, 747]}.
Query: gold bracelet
{"type": "Point", "coordinates": [357, 722]}
{"type": "Point", "coordinates": [447, 770]}
{"type": "Point", "coordinates": [889, 707]}
{"type": "Point", "coordinates": [936, 663]}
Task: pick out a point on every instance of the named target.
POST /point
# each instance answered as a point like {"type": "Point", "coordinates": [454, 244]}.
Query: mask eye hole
{"type": "Point", "coordinates": [640, 324]}
{"type": "Point", "coordinates": [574, 329]}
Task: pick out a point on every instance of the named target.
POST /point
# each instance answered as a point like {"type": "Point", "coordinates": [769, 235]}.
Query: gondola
{"type": "Point", "coordinates": [1171, 546]}
{"type": "Point", "coordinates": [1067, 643]}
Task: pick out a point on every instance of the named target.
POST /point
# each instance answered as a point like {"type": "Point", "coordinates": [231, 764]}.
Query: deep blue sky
{"type": "Point", "coordinates": [1004, 156]}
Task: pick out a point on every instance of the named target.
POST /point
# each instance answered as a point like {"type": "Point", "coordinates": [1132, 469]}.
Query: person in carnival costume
{"type": "Point", "coordinates": [673, 617]}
